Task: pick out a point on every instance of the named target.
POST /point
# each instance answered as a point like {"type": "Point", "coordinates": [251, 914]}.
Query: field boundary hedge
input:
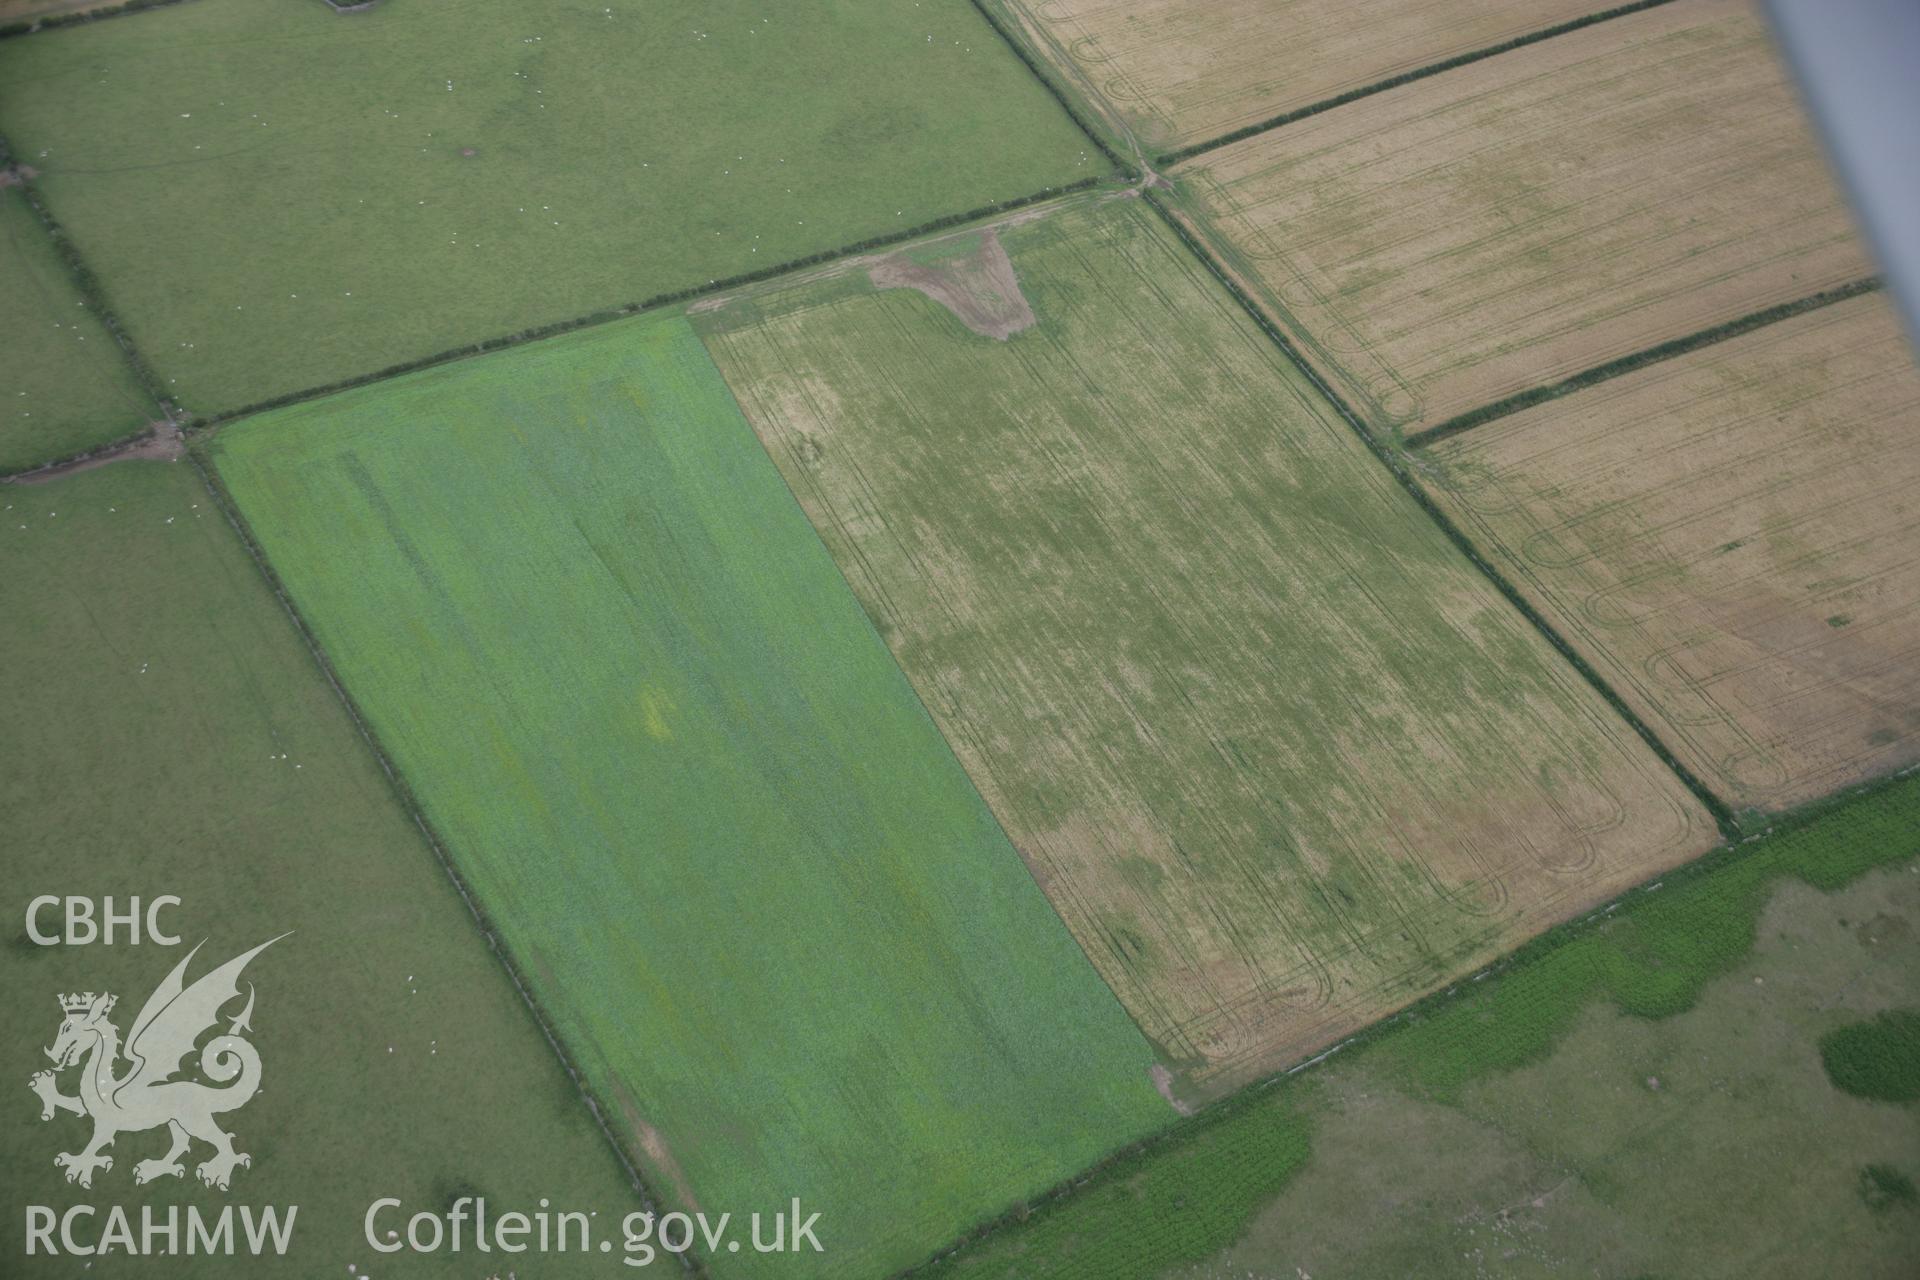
{"type": "Point", "coordinates": [1059, 95]}
{"type": "Point", "coordinates": [91, 291]}
{"type": "Point", "coordinates": [1722, 815]}
{"type": "Point", "coordinates": [54, 21]}
{"type": "Point", "coordinates": [1649, 355]}
{"type": "Point", "coordinates": [1405, 77]}
{"type": "Point", "coordinates": [71, 461]}
{"type": "Point", "coordinates": [403, 792]}
{"type": "Point", "coordinates": [1214, 1115]}
{"type": "Point", "coordinates": [198, 423]}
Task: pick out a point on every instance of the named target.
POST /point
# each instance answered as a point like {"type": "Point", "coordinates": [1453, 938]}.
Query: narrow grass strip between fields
{"type": "Point", "coordinates": [1055, 91]}
{"type": "Point", "coordinates": [689, 1261]}
{"type": "Point", "coordinates": [1722, 815]}
{"type": "Point", "coordinates": [1188, 1191]}
{"type": "Point", "coordinates": [54, 21]}
{"type": "Point", "coordinates": [1405, 77]}
{"type": "Point", "coordinates": [1628, 363]}
{"type": "Point", "coordinates": [198, 423]}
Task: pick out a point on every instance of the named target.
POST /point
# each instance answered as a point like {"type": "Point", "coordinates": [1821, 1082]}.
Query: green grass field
{"type": "Point", "coordinates": [339, 193]}
{"type": "Point", "coordinates": [166, 731]}
{"type": "Point", "coordinates": [64, 387]}
{"type": "Point", "coordinates": [737, 863]}
{"type": "Point", "coordinates": [1397, 1156]}
{"type": "Point", "coordinates": [1284, 760]}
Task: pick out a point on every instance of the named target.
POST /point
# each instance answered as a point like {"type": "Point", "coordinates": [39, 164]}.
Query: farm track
{"type": "Point", "coordinates": [1628, 363]}
{"type": "Point", "coordinates": [1406, 77]}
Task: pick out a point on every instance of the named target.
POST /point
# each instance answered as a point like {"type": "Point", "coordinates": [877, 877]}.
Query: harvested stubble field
{"type": "Point", "coordinates": [64, 386]}
{"type": "Point", "coordinates": [166, 731]}
{"type": "Point", "coordinates": [752, 887]}
{"type": "Point", "coordinates": [1179, 73]}
{"type": "Point", "coordinates": [1730, 537]}
{"type": "Point", "coordinates": [1504, 225]}
{"type": "Point", "coordinates": [1280, 756]}
{"type": "Point", "coordinates": [1643, 1091]}
{"type": "Point", "coordinates": [335, 194]}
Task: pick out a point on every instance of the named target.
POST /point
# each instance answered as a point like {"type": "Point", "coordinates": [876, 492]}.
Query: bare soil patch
{"type": "Point", "coordinates": [981, 288]}
{"type": "Point", "coordinates": [162, 443]}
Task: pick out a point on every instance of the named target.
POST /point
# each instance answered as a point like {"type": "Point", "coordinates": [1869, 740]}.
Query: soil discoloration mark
{"type": "Point", "coordinates": [655, 1147]}
{"type": "Point", "coordinates": [980, 288]}
{"type": "Point", "coordinates": [162, 443]}
{"type": "Point", "coordinates": [1163, 1081]}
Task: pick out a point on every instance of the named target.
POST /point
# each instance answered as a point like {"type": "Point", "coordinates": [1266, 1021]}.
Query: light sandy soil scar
{"type": "Point", "coordinates": [162, 443]}
{"type": "Point", "coordinates": [980, 288]}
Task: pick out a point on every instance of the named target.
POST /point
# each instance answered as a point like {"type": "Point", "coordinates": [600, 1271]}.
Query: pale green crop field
{"type": "Point", "coordinates": [739, 867]}
{"type": "Point", "coordinates": [280, 197]}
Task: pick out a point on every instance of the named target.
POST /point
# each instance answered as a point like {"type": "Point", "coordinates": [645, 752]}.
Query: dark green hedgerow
{"type": "Point", "coordinates": [1405, 77]}
{"type": "Point", "coordinates": [1878, 1058]}
{"type": "Point", "coordinates": [204, 422]}
{"type": "Point", "coordinates": [1186, 1195]}
{"type": "Point", "coordinates": [1723, 817]}
{"type": "Point", "coordinates": [55, 21]}
{"type": "Point", "coordinates": [1628, 363]}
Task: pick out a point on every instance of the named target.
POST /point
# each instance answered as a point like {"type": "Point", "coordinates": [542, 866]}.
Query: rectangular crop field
{"type": "Point", "coordinates": [1178, 72]}
{"type": "Point", "coordinates": [64, 386]}
{"type": "Point", "coordinates": [756, 892]}
{"type": "Point", "coordinates": [1504, 225]}
{"type": "Point", "coordinates": [164, 730]}
{"type": "Point", "coordinates": [1731, 537]}
{"type": "Point", "coordinates": [280, 197]}
{"type": "Point", "coordinates": [1281, 757]}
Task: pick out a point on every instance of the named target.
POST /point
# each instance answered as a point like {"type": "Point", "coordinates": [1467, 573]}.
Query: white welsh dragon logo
{"type": "Point", "coordinates": [146, 1094]}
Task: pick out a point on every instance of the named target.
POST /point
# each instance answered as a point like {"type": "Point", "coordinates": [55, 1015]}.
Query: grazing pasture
{"type": "Point", "coordinates": [280, 197]}
{"type": "Point", "coordinates": [166, 731]}
{"type": "Point", "coordinates": [1729, 537]}
{"type": "Point", "coordinates": [1281, 757]}
{"type": "Point", "coordinates": [1648, 1087]}
{"type": "Point", "coordinates": [1177, 73]}
{"type": "Point", "coordinates": [735, 861]}
{"type": "Point", "coordinates": [64, 386]}
{"type": "Point", "coordinates": [1505, 225]}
